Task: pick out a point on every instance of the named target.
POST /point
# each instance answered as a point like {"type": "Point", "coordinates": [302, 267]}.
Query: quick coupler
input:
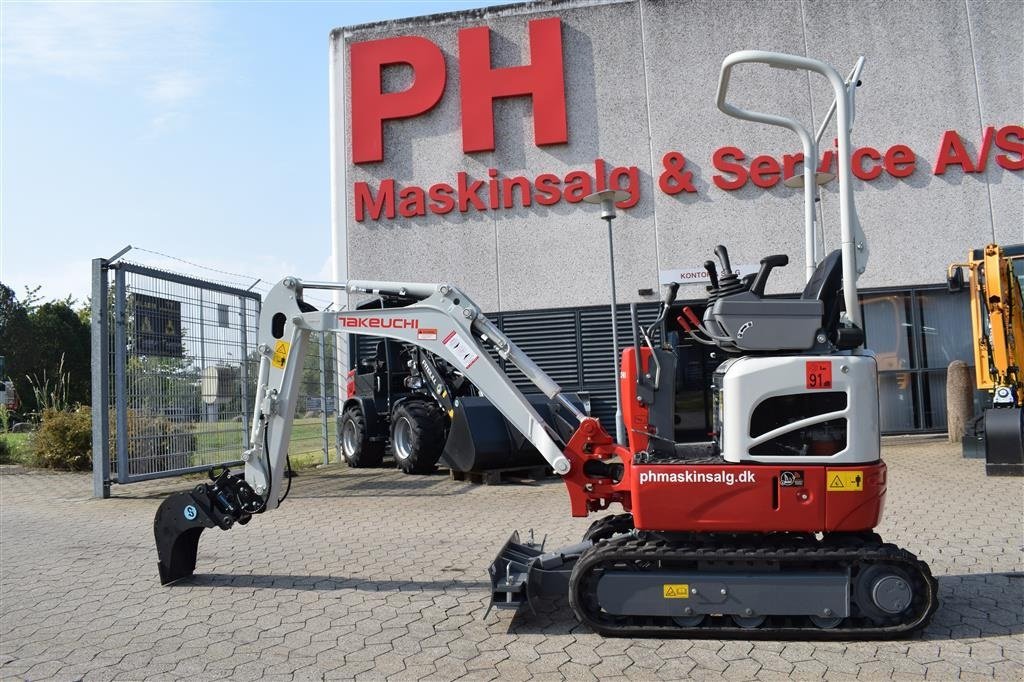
{"type": "Point", "coordinates": [226, 500]}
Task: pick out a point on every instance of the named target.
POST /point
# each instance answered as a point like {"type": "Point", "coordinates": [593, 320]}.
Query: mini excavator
{"type": "Point", "coordinates": [764, 531]}
{"type": "Point", "coordinates": [997, 330]}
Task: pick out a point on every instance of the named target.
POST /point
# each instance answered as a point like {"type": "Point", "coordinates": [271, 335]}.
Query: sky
{"type": "Point", "coordinates": [195, 130]}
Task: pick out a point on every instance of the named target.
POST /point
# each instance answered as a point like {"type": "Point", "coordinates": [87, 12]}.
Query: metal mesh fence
{"type": "Point", "coordinates": [180, 371]}
{"type": "Point", "coordinates": [176, 376]}
{"type": "Point", "coordinates": [313, 436]}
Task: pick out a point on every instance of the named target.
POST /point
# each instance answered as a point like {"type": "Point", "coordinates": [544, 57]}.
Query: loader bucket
{"type": "Point", "coordinates": [481, 439]}
{"type": "Point", "coordinates": [179, 522]}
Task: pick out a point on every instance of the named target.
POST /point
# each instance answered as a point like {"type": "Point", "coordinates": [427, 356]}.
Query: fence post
{"type": "Point", "coordinates": [323, 399]}
{"type": "Point", "coordinates": [99, 331]}
{"type": "Point", "coordinates": [120, 376]}
{"type": "Point", "coordinates": [243, 371]}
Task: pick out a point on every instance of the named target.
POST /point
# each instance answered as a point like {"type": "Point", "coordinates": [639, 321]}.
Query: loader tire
{"type": "Point", "coordinates": [356, 447]}
{"type": "Point", "coordinates": [417, 436]}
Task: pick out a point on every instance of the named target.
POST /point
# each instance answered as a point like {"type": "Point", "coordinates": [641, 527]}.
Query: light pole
{"type": "Point", "coordinates": [608, 198]}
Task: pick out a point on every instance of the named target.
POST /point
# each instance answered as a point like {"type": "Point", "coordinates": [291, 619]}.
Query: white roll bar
{"type": "Point", "coordinates": [854, 244]}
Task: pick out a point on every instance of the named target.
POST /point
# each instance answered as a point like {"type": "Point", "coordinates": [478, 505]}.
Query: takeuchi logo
{"type": "Point", "coordinates": [380, 322]}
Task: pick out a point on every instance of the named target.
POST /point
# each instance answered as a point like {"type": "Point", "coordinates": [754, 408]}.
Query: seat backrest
{"type": "Point", "coordinates": [826, 285]}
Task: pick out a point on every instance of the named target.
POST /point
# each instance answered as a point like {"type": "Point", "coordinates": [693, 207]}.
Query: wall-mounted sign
{"type": "Point", "coordinates": [157, 326]}
{"type": "Point", "coordinates": [541, 80]}
{"type": "Point", "coordinates": [699, 275]}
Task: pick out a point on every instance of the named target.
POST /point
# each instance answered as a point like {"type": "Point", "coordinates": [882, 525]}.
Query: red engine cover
{"type": "Point", "coordinates": [757, 497]}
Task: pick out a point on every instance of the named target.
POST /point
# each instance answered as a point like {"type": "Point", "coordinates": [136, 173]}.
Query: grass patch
{"type": "Point", "coordinates": [224, 441]}
{"type": "Point", "coordinates": [16, 448]}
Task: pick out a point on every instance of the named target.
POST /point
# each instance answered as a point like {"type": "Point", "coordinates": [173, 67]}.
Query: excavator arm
{"type": "Point", "coordinates": [441, 319]}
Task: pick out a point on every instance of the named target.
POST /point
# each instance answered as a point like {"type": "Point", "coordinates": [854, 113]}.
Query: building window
{"type": "Point", "coordinates": [915, 334]}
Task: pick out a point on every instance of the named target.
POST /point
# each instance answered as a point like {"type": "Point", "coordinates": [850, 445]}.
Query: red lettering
{"type": "Point", "coordinates": [764, 171]}
{"type": "Point", "coordinates": [543, 79]}
{"type": "Point", "coordinates": [599, 175]}
{"type": "Point", "coordinates": [548, 191]}
{"type": "Point", "coordinates": [384, 203]}
{"type": "Point", "coordinates": [467, 193]}
{"type": "Point", "coordinates": [826, 162]}
{"type": "Point", "coordinates": [857, 162]}
{"type": "Point", "coordinates": [789, 164]}
{"type": "Point", "coordinates": [952, 153]}
{"type": "Point", "coordinates": [492, 185]}
{"type": "Point", "coordinates": [380, 323]}
{"type": "Point", "coordinates": [508, 184]}
{"type": "Point", "coordinates": [632, 175]}
{"type": "Point", "coordinates": [371, 106]}
{"type": "Point", "coordinates": [900, 161]}
{"type": "Point", "coordinates": [577, 186]}
{"type": "Point", "coordinates": [1005, 141]}
{"type": "Point", "coordinates": [413, 202]}
{"type": "Point", "coordinates": [441, 201]}
{"type": "Point", "coordinates": [724, 160]}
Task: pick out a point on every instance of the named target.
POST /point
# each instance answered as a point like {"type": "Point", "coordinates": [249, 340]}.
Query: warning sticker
{"type": "Point", "coordinates": [819, 374]}
{"type": "Point", "coordinates": [791, 479]}
{"type": "Point", "coordinates": [844, 481]}
{"type": "Point", "coordinates": [427, 335]}
{"type": "Point", "coordinates": [280, 354]}
{"type": "Point", "coordinates": [678, 591]}
{"type": "Point", "coordinates": [463, 352]}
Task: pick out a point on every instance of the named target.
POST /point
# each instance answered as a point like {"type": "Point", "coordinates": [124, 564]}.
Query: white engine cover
{"type": "Point", "coordinates": [745, 383]}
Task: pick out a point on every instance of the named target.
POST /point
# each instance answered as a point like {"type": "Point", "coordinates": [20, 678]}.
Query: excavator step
{"type": "Point", "coordinates": [516, 475]}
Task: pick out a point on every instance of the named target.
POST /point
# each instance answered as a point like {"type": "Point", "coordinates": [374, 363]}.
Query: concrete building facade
{"type": "Point", "coordinates": [422, 194]}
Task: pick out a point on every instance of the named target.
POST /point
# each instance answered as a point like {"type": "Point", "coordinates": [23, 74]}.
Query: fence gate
{"type": "Point", "coordinates": [173, 373]}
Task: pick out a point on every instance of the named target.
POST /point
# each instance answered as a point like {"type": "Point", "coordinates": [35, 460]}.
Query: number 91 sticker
{"type": "Point", "coordinates": [819, 374]}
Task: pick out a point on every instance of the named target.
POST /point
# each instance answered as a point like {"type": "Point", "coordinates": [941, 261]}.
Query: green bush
{"type": "Point", "coordinates": [64, 440]}
{"type": "Point", "coordinates": [6, 452]}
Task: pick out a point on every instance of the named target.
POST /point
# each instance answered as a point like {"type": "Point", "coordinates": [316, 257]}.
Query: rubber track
{"type": "Point", "coordinates": [855, 552]}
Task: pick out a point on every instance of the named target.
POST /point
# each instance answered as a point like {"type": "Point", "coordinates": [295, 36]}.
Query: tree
{"type": "Point", "coordinates": [36, 337]}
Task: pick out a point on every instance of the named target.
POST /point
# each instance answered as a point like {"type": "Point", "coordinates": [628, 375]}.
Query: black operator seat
{"type": "Point", "coordinates": [826, 285]}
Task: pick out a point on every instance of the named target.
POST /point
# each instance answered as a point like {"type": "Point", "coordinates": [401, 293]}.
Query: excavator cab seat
{"type": "Point", "coordinates": [758, 324]}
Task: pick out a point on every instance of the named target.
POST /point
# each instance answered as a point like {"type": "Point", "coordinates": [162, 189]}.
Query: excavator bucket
{"type": "Point", "coordinates": [179, 522]}
{"type": "Point", "coordinates": [181, 519]}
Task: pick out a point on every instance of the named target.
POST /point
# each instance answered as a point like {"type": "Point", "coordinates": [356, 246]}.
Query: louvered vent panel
{"type": "Point", "coordinates": [550, 339]}
{"type": "Point", "coordinates": [598, 358]}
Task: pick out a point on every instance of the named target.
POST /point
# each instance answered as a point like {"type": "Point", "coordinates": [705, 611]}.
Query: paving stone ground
{"type": "Point", "coordinates": [371, 574]}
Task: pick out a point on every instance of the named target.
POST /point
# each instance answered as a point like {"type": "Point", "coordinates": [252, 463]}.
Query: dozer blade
{"type": "Point", "coordinates": [523, 572]}
{"type": "Point", "coordinates": [179, 522]}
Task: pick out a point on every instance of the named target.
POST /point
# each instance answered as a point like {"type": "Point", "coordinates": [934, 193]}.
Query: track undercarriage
{"type": "Point", "coordinates": [628, 583]}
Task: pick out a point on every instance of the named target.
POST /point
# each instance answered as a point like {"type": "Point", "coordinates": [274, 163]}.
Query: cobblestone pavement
{"type": "Point", "coordinates": [371, 574]}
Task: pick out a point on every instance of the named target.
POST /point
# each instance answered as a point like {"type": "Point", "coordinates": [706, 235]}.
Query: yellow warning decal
{"type": "Point", "coordinates": [280, 354]}
{"type": "Point", "coordinates": [675, 591]}
{"type": "Point", "coordinates": [844, 481]}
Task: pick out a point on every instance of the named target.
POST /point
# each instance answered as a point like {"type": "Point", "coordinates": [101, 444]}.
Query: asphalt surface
{"type": "Point", "coordinates": [372, 574]}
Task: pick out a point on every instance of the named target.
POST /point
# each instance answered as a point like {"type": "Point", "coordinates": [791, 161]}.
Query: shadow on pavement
{"type": "Point", "coordinates": [325, 583]}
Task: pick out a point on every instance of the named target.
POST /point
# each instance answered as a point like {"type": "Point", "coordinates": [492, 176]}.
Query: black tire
{"type": "Point", "coordinates": [357, 449]}
{"type": "Point", "coordinates": [417, 436]}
